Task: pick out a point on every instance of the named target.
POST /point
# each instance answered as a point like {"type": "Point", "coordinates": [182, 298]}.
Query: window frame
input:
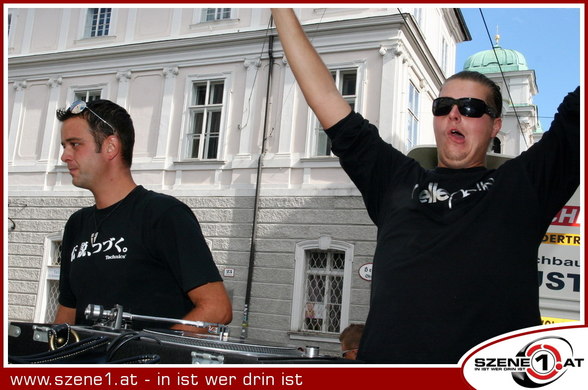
{"type": "Point", "coordinates": [418, 14]}
{"type": "Point", "coordinates": [49, 278]}
{"type": "Point", "coordinates": [300, 277]}
{"type": "Point", "coordinates": [316, 133]}
{"type": "Point", "coordinates": [89, 23]}
{"type": "Point", "coordinates": [11, 18]}
{"type": "Point", "coordinates": [90, 94]}
{"type": "Point", "coordinates": [9, 23]}
{"type": "Point", "coordinates": [413, 121]}
{"type": "Point", "coordinates": [207, 131]}
{"type": "Point", "coordinates": [445, 55]}
{"type": "Point", "coordinates": [496, 145]}
{"type": "Point", "coordinates": [205, 13]}
{"type": "Point", "coordinates": [190, 110]}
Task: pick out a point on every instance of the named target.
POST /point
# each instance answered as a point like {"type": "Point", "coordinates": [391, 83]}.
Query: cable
{"type": "Point", "coordinates": [242, 126]}
{"type": "Point", "coordinates": [252, 249]}
{"type": "Point", "coordinates": [504, 79]}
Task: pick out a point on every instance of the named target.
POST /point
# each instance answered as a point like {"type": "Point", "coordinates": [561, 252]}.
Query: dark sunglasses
{"type": "Point", "coordinates": [79, 106]}
{"type": "Point", "coordinates": [470, 107]}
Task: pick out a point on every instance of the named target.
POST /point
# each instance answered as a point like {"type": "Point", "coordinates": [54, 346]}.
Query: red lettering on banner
{"type": "Point", "coordinates": [567, 216]}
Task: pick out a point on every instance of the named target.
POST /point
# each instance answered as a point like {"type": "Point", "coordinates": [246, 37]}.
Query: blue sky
{"type": "Point", "coordinates": [549, 38]}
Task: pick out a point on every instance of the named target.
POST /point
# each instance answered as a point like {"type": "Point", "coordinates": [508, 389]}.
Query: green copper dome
{"type": "Point", "coordinates": [488, 61]}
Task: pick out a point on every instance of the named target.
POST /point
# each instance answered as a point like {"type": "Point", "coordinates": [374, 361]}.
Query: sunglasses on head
{"type": "Point", "coordinates": [79, 106]}
{"type": "Point", "coordinates": [470, 107]}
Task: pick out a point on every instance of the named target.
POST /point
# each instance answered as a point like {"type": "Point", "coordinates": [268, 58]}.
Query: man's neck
{"type": "Point", "coordinates": [115, 192]}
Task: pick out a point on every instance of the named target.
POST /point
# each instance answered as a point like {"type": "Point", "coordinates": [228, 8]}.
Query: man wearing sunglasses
{"type": "Point", "coordinates": [135, 248]}
{"type": "Point", "coordinates": [456, 256]}
{"type": "Point", "coordinates": [350, 338]}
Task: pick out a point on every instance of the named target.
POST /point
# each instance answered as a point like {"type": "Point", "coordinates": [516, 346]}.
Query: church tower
{"type": "Point", "coordinates": [508, 68]}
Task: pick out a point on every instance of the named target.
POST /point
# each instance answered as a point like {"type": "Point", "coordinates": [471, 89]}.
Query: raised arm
{"type": "Point", "coordinates": [313, 76]}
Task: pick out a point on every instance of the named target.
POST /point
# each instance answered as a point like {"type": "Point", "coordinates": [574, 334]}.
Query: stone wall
{"type": "Point", "coordinates": [226, 223]}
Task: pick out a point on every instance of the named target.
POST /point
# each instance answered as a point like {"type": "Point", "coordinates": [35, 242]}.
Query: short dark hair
{"type": "Point", "coordinates": [352, 335]}
{"type": "Point", "coordinates": [495, 94]}
{"type": "Point", "coordinates": [115, 115]}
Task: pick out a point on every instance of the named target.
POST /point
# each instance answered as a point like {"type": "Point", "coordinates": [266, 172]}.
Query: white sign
{"type": "Point", "coordinates": [559, 256]}
{"type": "Point", "coordinates": [365, 272]}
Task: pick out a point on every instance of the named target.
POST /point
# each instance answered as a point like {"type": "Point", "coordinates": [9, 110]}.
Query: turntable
{"type": "Point", "coordinates": [119, 342]}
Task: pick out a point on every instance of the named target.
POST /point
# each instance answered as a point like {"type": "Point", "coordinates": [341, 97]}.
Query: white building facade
{"type": "Point", "coordinates": [221, 124]}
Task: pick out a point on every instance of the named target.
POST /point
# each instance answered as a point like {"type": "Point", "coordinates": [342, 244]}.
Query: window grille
{"type": "Point", "coordinates": [323, 290]}
{"type": "Point", "coordinates": [322, 287]}
{"type": "Point", "coordinates": [53, 282]}
{"type": "Point", "coordinates": [205, 119]}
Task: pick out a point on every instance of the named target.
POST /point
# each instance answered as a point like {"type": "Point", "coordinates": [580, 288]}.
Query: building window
{"type": "Point", "coordinates": [88, 95]}
{"type": "Point", "coordinates": [323, 291]}
{"type": "Point", "coordinates": [418, 16]}
{"type": "Point", "coordinates": [9, 22]}
{"type": "Point", "coordinates": [444, 55]}
{"type": "Point", "coordinates": [322, 287]}
{"type": "Point", "coordinates": [413, 118]}
{"type": "Point", "coordinates": [48, 294]}
{"type": "Point", "coordinates": [98, 22]}
{"type": "Point", "coordinates": [210, 14]}
{"type": "Point", "coordinates": [346, 81]}
{"type": "Point", "coordinates": [206, 110]}
{"type": "Point", "coordinates": [496, 145]}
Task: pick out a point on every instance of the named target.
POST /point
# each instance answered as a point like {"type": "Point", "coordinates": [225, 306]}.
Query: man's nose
{"type": "Point", "coordinates": [65, 155]}
{"type": "Point", "coordinates": [454, 113]}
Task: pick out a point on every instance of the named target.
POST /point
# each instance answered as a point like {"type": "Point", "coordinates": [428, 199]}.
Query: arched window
{"type": "Point", "coordinates": [322, 286]}
{"type": "Point", "coordinates": [496, 145]}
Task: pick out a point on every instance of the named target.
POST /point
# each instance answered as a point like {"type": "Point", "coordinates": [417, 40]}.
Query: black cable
{"type": "Point", "coordinates": [252, 249]}
{"type": "Point", "coordinates": [265, 39]}
{"type": "Point", "coordinates": [504, 79]}
{"type": "Point", "coordinates": [119, 341]}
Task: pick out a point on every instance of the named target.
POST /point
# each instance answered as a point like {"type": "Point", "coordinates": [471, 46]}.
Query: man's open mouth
{"type": "Point", "coordinates": [457, 134]}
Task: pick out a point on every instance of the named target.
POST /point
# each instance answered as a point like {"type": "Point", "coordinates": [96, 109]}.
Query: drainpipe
{"type": "Point", "coordinates": [245, 323]}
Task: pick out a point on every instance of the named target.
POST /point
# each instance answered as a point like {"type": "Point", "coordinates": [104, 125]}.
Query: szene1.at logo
{"type": "Point", "coordinates": [539, 363]}
{"type": "Point", "coordinates": [545, 361]}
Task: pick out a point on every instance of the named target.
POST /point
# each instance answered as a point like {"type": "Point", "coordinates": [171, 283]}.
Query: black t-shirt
{"type": "Point", "coordinates": [148, 254]}
{"type": "Point", "coordinates": [455, 261]}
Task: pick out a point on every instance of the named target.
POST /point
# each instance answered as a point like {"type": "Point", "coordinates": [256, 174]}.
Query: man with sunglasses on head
{"type": "Point", "coordinates": [135, 248]}
{"type": "Point", "coordinates": [456, 256]}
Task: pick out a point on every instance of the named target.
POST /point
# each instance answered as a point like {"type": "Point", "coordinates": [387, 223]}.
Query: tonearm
{"type": "Point", "coordinates": [116, 317]}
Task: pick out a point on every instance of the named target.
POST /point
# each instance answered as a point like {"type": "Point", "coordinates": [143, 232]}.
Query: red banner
{"type": "Point", "coordinates": [235, 377]}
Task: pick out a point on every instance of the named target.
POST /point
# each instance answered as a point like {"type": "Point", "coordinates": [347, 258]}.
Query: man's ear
{"type": "Point", "coordinates": [111, 147]}
{"type": "Point", "coordinates": [496, 126]}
